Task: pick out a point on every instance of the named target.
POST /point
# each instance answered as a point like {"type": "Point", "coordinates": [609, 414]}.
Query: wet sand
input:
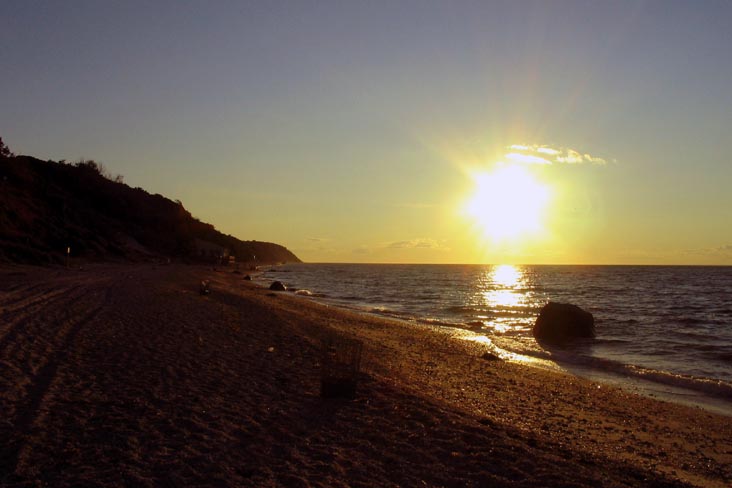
{"type": "Point", "coordinates": [126, 376]}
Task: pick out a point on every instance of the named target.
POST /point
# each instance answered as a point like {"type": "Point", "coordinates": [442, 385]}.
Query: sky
{"type": "Point", "coordinates": [379, 131]}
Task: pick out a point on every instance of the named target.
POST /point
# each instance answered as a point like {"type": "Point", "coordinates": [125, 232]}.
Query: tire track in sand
{"type": "Point", "coordinates": [17, 425]}
{"type": "Point", "coordinates": [17, 305]}
{"type": "Point", "coordinates": [32, 309]}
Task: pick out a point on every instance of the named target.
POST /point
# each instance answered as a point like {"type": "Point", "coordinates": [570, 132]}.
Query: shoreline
{"type": "Point", "coordinates": [126, 375]}
{"type": "Point", "coordinates": [584, 397]}
{"type": "Point", "coordinates": [710, 394]}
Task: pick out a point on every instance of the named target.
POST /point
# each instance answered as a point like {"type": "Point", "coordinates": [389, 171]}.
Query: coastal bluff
{"type": "Point", "coordinates": [49, 209]}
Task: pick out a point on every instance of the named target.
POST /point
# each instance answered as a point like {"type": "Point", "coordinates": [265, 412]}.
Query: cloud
{"type": "Point", "coordinates": [361, 250]}
{"type": "Point", "coordinates": [526, 158]}
{"type": "Point", "coordinates": [317, 244]}
{"type": "Point", "coordinates": [725, 250]}
{"type": "Point", "coordinates": [419, 243]}
{"type": "Point", "coordinates": [547, 150]}
{"type": "Point", "coordinates": [416, 205]}
{"type": "Point", "coordinates": [542, 154]}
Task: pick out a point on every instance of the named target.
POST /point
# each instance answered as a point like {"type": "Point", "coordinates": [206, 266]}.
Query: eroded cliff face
{"type": "Point", "coordinates": [47, 208]}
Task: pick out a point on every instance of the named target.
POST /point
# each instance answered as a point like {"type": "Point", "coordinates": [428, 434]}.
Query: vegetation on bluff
{"type": "Point", "coordinates": [47, 207]}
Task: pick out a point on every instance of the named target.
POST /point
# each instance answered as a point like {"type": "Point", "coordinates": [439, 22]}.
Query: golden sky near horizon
{"type": "Point", "coordinates": [510, 132]}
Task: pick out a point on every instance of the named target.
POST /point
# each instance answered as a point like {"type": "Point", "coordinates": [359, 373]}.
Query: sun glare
{"type": "Point", "coordinates": [508, 203]}
{"type": "Point", "coordinates": [506, 275]}
{"type": "Point", "coordinates": [505, 278]}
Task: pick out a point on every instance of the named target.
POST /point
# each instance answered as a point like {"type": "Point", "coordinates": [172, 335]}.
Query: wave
{"type": "Point", "coordinates": [629, 321]}
{"type": "Point", "coordinates": [512, 312]}
{"type": "Point", "coordinates": [713, 348]}
{"type": "Point", "coordinates": [716, 388]}
{"type": "Point", "coordinates": [696, 320]}
{"type": "Point", "coordinates": [611, 342]}
{"type": "Point", "coordinates": [465, 310]}
{"type": "Point", "coordinates": [721, 311]}
{"type": "Point", "coordinates": [724, 357]}
{"type": "Point", "coordinates": [402, 315]}
{"type": "Point", "coordinates": [438, 322]}
{"type": "Point", "coordinates": [687, 307]}
{"type": "Point", "coordinates": [664, 327]}
{"type": "Point", "coordinates": [697, 336]}
{"type": "Point", "coordinates": [390, 313]}
{"type": "Point", "coordinates": [711, 387]}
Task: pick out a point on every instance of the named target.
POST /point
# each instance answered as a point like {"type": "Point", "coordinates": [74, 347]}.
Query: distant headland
{"type": "Point", "coordinates": [50, 209]}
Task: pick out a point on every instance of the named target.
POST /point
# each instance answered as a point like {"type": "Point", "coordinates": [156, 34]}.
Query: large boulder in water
{"type": "Point", "coordinates": [277, 286]}
{"type": "Point", "coordinates": [559, 322]}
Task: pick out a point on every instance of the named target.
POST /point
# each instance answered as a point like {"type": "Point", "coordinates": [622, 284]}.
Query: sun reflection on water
{"type": "Point", "coordinates": [503, 298]}
{"type": "Point", "coordinates": [507, 280]}
{"type": "Point", "coordinates": [504, 293]}
{"type": "Point", "coordinates": [506, 275]}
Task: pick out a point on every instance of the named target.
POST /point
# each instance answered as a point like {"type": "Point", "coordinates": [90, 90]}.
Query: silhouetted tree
{"type": "Point", "coordinates": [5, 150]}
{"type": "Point", "coordinates": [99, 168]}
{"type": "Point", "coordinates": [90, 164]}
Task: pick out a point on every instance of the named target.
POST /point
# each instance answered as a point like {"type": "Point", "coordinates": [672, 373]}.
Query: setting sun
{"type": "Point", "coordinates": [298, 214]}
{"type": "Point", "coordinates": [508, 203]}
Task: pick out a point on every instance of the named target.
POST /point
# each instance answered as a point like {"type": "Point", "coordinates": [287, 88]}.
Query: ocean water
{"type": "Point", "coordinates": [661, 330]}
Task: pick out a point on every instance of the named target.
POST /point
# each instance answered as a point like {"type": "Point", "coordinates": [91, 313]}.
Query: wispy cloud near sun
{"type": "Point", "coordinates": [543, 154]}
{"type": "Point", "coordinates": [725, 251]}
{"type": "Point", "coordinates": [419, 243]}
{"type": "Point", "coordinates": [416, 205]}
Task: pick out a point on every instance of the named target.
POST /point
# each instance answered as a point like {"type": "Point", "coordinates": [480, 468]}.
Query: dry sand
{"type": "Point", "coordinates": [126, 376]}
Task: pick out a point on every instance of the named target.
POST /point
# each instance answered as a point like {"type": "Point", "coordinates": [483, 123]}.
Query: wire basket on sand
{"type": "Point", "coordinates": [340, 365]}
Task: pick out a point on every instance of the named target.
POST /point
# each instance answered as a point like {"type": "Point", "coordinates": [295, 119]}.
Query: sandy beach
{"type": "Point", "coordinates": [119, 375]}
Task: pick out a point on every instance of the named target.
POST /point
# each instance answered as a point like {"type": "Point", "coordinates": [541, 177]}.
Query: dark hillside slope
{"type": "Point", "coordinates": [46, 207]}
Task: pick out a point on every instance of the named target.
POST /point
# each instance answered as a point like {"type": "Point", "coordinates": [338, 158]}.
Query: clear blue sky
{"type": "Point", "coordinates": [348, 131]}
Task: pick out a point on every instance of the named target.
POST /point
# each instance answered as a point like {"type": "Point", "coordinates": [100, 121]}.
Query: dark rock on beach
{"type": "Point", "coordinates": [277, 286]}
{"type": "Point", "coordinates": [559, 322]}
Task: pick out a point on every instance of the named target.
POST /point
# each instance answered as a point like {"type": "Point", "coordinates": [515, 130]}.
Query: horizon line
{"type": "Point", "coordinates": [513, 264]}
